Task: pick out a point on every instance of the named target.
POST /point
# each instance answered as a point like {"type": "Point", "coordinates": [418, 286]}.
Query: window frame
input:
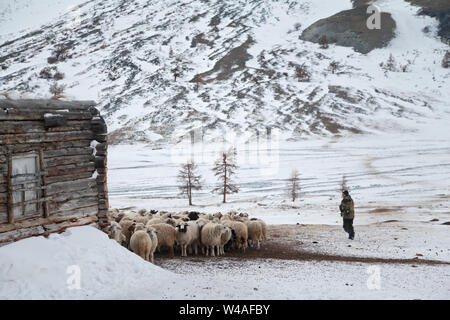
{"type": "Point", "coordinates": [15, 187]}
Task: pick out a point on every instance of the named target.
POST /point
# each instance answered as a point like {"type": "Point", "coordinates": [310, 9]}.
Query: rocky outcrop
{"type": "Point", "coordinates": [225, 67]}
{"type": "Point", "coordinates": [439, 9]}
{"type": "Point", "coordinates": [349, 29]}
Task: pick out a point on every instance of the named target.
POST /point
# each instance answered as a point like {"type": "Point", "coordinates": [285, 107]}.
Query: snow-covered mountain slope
{"type": "Point", "coordinates": [18, 16]}
{"type": "Point", "coordinates": [159, 69]}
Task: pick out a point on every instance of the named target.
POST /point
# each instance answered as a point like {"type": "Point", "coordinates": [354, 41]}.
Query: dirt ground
{"type": "Point", "coordinates": [312, 243]}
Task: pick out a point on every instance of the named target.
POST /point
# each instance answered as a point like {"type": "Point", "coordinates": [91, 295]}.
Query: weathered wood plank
{"type": "Point", "coordinates": [67, 160]}
{"type": "Point", "coordinates": [100, 162]}
{"type": "Point", "coordinates": [40, 104]}
{"type": "Point", "coordinates": [70, 186]}
{"type": "Point", "coordinates": [17, 127]}
{"type": "Point", "coordinates": [61, 227]}
{"type": "Point", "coordinates": [7, 139]}
{"type": "Point", "coordinates": [28, 114]}
{"type": "Point", "coordinates": [14, 235]}
{"type": "Point", "coordinates": [91, 210]}
{"type": "Point", "coordinates": [101, 146]}
{"type": "Point", "coordinates": [54, 218]}
{"type": "Point", "coordinates": [3, 198]}
{"type": "Point", "coordinates": [101, 178]}
{"type": "Point", "coordinates": [98, 125]}
{"type": "Point", "coordinates": [73, 204]}
{"type": "Point", "coordinates": [63, 197]}
{"type": "Point", "coordinates": [68, 152]}
{"type": "Point", "coordinates": [46, 146]}
{"type": "Point", "coordinates": [54, 120]}
{"type": "Point", "coordinates": [69, 177]}
{"type": "Point", "coordinates": [71, 169]}
{"type": "Point", "coordinates": [102, 138]}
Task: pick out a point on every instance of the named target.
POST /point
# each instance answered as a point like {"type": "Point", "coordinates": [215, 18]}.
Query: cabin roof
{"type": "Point", "coordinates": [47, 105]}
{"type": "Point", "coordinates": [24, 109]}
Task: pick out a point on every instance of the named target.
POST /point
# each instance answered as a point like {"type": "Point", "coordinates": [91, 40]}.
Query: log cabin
{"type": "Point", "coordinates": [53, 157]}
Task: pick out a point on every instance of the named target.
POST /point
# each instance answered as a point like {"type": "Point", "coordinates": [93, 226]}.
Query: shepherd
{"type": "Point", "coordinates": [347, 209]}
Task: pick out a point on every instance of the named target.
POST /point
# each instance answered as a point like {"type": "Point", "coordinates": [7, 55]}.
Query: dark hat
{"type": "Point", "coordinates": [345, 192]}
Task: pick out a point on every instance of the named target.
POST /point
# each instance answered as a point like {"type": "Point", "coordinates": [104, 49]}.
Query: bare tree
{"type": "Point", "coordinates": [293, 185]}
{"type": "Point", "coordinates": [189, 180]}
{"type": "Point", "coordinates": [176, 72]}
{"type": "Point", "coordinates": [390, 65]}
{"type": "Point", "coordinates": [344, 186]}
{"type": "Point", "coordinates": [302, 73]}
{"type": "Point", "coordinates": [57, 91]}
{"type": "Point", "coordinates": [323, 41]}
{"type": "Point", "coordinates": [59, 54]}
{"type": "Point", "coordinates": [334, 66]}
{"type": "Point", "coordinates": [223, 169]}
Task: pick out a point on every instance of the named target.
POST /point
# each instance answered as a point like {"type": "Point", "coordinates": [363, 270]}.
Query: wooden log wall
{"type": "Point", "coordinates": [71, 141]}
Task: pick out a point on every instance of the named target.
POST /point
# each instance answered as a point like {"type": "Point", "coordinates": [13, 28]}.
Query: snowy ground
{"type": "Point", "coordinates": [399, 184]}
{"type": "Point", "coordinates": [39, 268]}
{"type": "Point", "coordinates": [400, 176]}
{"type": "Point", "coordinates": [398, 181]}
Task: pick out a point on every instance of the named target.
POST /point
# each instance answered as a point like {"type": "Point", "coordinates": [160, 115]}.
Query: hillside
{"type": "Point", "coordinates": [159, 69]}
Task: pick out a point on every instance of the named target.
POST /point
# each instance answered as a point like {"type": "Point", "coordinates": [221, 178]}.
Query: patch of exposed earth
{"type": "Point", "coordinates": [389, 242]}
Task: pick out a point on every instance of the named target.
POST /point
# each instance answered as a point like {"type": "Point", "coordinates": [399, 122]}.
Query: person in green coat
{"type": "Point", "coordinates": [347, 209]}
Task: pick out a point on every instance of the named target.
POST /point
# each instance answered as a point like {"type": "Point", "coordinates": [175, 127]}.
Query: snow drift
{"type": "Point", "coordinates": [40, 268]}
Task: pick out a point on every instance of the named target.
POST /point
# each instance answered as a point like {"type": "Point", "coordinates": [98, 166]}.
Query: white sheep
{"type": "Point", "coordinates": [115, 215]}
{"type": "Point", "coordinates": [211, 237]}
{"type": "Point", "coordinates": [187, 234]}
{"type": "Point", "coordinates": [140, 241]}
{"type": "Point", "coordinates": [154, 238]}
{"type": "Point", "coordinates": [196, 243]}
{"type": "Point", "coordinates": [155, 220]}
{"type": "Point", "coordinates": [125, 225]}
{"type": "Point", "coordinates": [166, 215]}
{"type": "Point", "coordinates": [243, 215]}
{"type": "Point", "coordinates": [263, 227]}
{"type": "Point", "coordinates": [130, 216]}
{"type": "Point", "coordinates": [226, 217]}
{"type": "Point", "coordinates": [254, 232]}
{"type": "Point", "coordinates": [142, 212]}
{"type": "Point", "coordinates": [171, 221]}
{"type": "Point", "coordinates": [141, 219]}
{"type": "Point", "coordinates": [225, 237]}
{"type": "Point", "coordinates": [134, 216]}
{"type": "Point", "coordinates": [241, 233]}
{"type": "Point", "coordinates": [115, 233]}
{"type": "Point", "coordinates": [201, 223]}
{"type": "Point", "coordinates": [166, 236]}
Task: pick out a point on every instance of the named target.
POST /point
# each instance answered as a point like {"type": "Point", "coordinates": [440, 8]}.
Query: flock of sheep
{"type": "Point", "coordinates": [144, 231]}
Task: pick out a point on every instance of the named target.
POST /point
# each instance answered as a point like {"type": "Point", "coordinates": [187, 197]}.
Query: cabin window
{"type": "Point", "coordinates": [25, 186]}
